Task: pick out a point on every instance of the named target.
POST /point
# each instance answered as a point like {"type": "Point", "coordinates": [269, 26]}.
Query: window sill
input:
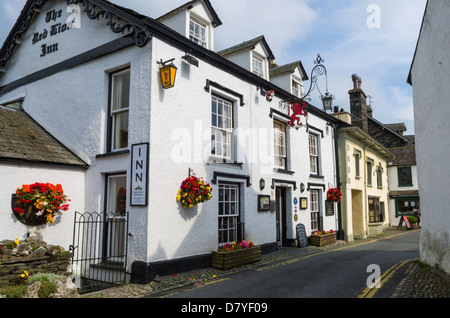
{"type": "Point", "coordinates": [221, 160]}
{"type": "Point", "coordinates": [316, 176]}
{"type": "Point", "coordinates": [282, 170]}
{"type": "Point", "coordinates": [113, 154]}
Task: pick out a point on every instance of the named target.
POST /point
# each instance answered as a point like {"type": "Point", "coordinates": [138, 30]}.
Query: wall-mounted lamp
{"type": "Point", "coordinates": [302, 187]}
{"type": "Point", "coordinates": [168, 73]}
{"type": "Point", "coordinates": [262, 184]}
{"type": "Point", "coordinates": [190, 59]}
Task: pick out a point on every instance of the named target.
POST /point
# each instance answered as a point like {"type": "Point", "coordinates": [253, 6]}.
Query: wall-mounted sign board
{"type": "Point", "coordinates": [139, 174]}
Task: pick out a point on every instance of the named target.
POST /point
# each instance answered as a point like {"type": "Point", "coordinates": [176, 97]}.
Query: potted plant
{"type": "Point", "coordinates": [321, 238]}
{"type": "Point", "coordinates": [413, 221]}
{"type": "Point", "coordinates": [235, 254]}
{"type": "Point", "coordinates": [193, 191]}
{"type": "Point", "coordinates": [39, 203]}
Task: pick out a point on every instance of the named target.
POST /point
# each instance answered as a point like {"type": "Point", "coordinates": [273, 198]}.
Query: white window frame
{"type": "Point", "coordinates": [296, 87]}
{"type": "Point", "coordinates": [195, 32]}
{"type": "Point", "coordinates": [228, 219]}
{"type": "Point", "coordinates": [258, 65]}
{"type": "Point", "coordinates": [118, 112]}
{"type": "Point", "coordinates": [314, 209]}
{"type": "Point", "coordinates": [313, 142]}
{"type": "Point", "coordinates": [222, 130]}
{"type": "Point", "coordinates": [280, 145]}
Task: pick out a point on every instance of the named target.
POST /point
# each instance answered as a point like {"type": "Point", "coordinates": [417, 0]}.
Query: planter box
{"type": "Point", "coordinates": [232, 259]}
{"type": "Point", "coordinates": [321, 240]}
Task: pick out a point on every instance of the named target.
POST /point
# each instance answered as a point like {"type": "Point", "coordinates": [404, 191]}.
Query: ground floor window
{"type": "Point", "coordinates": [376, 210]}
{"type": "Point", "coordinates": [314, 205]}
{"type": "Point", "coordinates": [230, 226]}
{"type": "Point", "coordinates": [406, 206]}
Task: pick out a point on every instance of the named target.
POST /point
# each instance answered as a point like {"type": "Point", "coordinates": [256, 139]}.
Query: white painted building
{"type": "Point", "coordinates": [99, 92]}
{"type": "Point", "coordinates": [429, 77]}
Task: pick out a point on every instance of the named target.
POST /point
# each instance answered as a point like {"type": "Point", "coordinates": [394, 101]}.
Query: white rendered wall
{"type": "Point", "coordinates": [430, 78]}
{"type": "Point", "coordinates": [14, 176]}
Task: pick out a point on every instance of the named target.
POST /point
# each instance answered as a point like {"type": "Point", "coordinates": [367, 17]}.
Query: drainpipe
{"type": "Point", "coordinates": [366, 208]}
{"type": "Point", "coordinates": [340, 234]}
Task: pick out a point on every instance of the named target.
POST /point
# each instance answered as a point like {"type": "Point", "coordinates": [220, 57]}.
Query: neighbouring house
{"type": "Point", "coordinates": [429, 77]}
{"type": "Point", "coordinates": [97, 86]}
{"type": "Point", "coordinates": [364, 180]}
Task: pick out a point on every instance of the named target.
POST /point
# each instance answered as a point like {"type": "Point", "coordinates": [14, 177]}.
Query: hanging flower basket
{"type": "Point", "coordinates": [334, 195]}
{"type": "Point", "coordinates": [193, 191]}
{"type": "Point", "coordinates": [38, 203]}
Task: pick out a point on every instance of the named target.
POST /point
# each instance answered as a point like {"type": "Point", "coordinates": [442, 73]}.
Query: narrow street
{"type": "Point", "coordinates": [338, 273]}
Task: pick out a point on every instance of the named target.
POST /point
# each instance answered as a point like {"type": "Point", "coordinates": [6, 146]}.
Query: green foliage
{"type": "Point", "coordinates": [47, 280]}
{"type": "Point", "coordinates": [412, 219]}
{"type": "Point", "coordinates": [15, 291]}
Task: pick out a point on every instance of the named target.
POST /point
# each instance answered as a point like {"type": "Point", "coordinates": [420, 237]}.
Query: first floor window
{"type": "Point", "coordinates": [119, 109]}
{"type": "Point", "coordinates": [314, 204]}
{"type": "Point", "coordinates": [369, 172]}
{"type": "Point", "coordinates": [197, 33]}
{"type": "Point", "coordinates": [221, 127]}
{"type": "Point", "coordinates": [313, 154]}
{"type": "Point", "coordinates": [230, 227]}
{"type": "Point", "coordinates": [379, 176]}
{"type": "Point", "coordinates": [404, 176]}
{"type": "Point", "coordinates": [357, 156]}
{"type": "Point", "coordinates": [279, 135]}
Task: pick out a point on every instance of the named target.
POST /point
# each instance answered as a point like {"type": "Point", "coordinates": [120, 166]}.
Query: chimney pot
{"type": "Point", "coordinates": [356, 81]}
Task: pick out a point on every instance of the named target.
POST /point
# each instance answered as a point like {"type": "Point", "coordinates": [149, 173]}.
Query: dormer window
{"type": "Point", "coordinates": [197, 32]}
{"type": "Point", "coordinates": [297, 88]}
{"type": "Point", "coordinates": [257, 66]}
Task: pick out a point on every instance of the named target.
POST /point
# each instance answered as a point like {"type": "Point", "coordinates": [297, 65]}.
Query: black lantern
{"type": "Point", "coordinates": [262, 184]}
{"type": "Point", "coordinates": [327, 101]}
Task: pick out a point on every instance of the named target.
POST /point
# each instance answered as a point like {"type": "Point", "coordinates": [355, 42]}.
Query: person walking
{"type": "Point", "coordinates": [417, 215]}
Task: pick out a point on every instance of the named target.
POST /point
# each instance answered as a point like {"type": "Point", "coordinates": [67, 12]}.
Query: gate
{"type": "Point", "coordinates": [99, 250]}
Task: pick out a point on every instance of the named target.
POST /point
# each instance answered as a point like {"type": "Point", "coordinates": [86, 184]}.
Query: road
{"type": "Point", "coordinates": [337, 273]}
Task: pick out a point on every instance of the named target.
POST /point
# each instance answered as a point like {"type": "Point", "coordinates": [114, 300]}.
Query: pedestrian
{"type": "Point", "coordinates": [417, 214]}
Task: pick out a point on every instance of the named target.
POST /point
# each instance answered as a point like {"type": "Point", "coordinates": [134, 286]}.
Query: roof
{"type": "Point", "coordinates": [248, 45]}
{"type": "Point", "coordinates": [397, 127]}
{"type": "Point", "coordinates": [146, 28]}
{"type": "Point", "coordinates": [23, 139]}
{"type": "Point", "coordinates": [215, 18]}
{"type": "Point", "coordinates": [409, 79]}
{"type": "Point", "coordinates": [289, 68]}
{"type": "Point", "coordinates": [404, 156]}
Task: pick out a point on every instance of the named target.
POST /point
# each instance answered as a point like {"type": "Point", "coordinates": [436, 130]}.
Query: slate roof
{"type": "Point", "coordinates": [288, 68]}
{"type": "Point", "coordinates": [404, 156]}
{"type": "Point", "coordinates": [22, 139]}
{"type": "Point", "coordinates": [250, 44]}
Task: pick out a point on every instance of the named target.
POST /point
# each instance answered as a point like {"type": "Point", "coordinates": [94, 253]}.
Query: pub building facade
{"type": "Point", "coordinates": [91, 75]}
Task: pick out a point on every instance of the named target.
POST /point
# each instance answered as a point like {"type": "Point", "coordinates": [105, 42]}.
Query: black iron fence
{"type": "Point", "coordinates": [99, 250]}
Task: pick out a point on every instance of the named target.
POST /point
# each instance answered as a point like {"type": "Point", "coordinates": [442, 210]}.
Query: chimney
{"type": "Point", "coordinates": [358, 107]}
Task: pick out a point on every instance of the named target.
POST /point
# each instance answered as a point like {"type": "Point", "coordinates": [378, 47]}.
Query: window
{"type": "Point", "coordinates": [221, 127]}
{"type": "Point", "coordinates": [230, 228]}
{"type": "Point", "coordinates": [376, 210]}
{"type": "Point", "coordinates": [197, 32]}
{"type": "Point", "coordinates": [404, 176]}
{"type": "Point", "coordinates": [379, 176]}
{"type": "Point", "coordinates": [119, 109]}
{"type": "Point", "coordinates": [357, 156]}
{"type": "Point", "coordinates": [257, 66]}
{"type": "Point", "coordinates": [314, 203]}
{"type": "Point", "coordinates": [279, 136]}
{"type": "Point", "coordinates": [296, 88]}
{"type": "Point", "coordinates": [313, 154]}
{"type": "Point", "coordinates": [405, 206]}
{"type": "Point", "coordinates": [369, 172]}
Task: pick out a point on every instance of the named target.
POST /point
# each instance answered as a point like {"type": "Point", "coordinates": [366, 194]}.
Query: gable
{"type": "Point", "coordinates": [42, 35]}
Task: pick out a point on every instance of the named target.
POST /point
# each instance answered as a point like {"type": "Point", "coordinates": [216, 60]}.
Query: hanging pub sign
{"type": "Point", "coordinates": [139, 174]}
{"type": "Point", "coordinates": [168, 73]}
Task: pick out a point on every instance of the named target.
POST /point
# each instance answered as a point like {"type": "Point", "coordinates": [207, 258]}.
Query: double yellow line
{"type": "Point", "coordinates": [370, 292]}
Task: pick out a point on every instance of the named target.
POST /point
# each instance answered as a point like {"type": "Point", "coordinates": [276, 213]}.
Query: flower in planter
{"type": "Point", "coordinates": [193, 191]}
{"type": "Point", "coordinates": [236, 246]}
{"type": "Point", "coordinates": [47, 198]}
{"type": "Point", "coordinates": [324, 232]}
{"type": "Point", "coordinates": [334, 195]}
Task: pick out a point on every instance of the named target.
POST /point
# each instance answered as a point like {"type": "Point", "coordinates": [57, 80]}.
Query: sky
{"type": "Point", "coordinates": [375, 39]}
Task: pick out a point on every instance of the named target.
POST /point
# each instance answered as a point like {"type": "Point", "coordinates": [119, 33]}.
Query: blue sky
{"type": "Point", "coordinates": [380, 51]}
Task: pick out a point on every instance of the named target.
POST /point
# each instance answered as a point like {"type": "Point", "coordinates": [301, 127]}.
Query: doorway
{"type": "Point", "coordinates": [280, 198]}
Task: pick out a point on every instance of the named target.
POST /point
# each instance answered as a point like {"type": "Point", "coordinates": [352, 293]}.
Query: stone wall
{"type": "Point", "coordinates": [33, 256]}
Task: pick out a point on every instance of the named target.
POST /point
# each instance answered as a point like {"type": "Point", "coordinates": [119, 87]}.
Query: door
{"type": "Point", "coordinates": [116, 202]}
{"type": "Point", "coordinates": [280, 197]}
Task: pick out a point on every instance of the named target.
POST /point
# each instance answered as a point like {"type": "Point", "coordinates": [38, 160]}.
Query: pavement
{"type": "Point", "coordinates": [419, 281]}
